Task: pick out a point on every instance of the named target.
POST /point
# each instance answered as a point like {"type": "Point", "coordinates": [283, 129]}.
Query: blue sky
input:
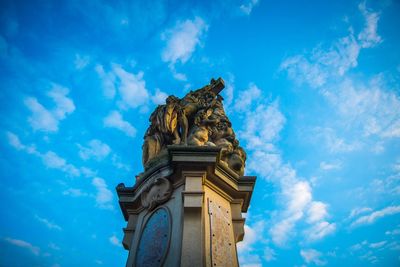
{"type": "Point", "coordinates": [312, 92]}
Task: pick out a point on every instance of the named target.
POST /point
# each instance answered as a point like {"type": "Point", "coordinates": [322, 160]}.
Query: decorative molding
{"type": "Point", "coordinates": [156, 192]}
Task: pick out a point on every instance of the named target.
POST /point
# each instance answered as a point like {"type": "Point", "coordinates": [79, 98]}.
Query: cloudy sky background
{"type": "Point", "coordinates": [312, 91]}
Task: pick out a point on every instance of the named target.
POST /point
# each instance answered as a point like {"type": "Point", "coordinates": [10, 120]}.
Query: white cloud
{"type": "Point", "coordinates": [247, 97]}
{"type": "Point", "coordinates": [64, 105]}
{"type": "Point", "coordinates": [249, 239]}
{"type": "Point", "coordinates": [181, 41]}
{"type": "Point", "coordinates": [359, 246]}
{"type": "Point", "coordinates": [53, 161]}
{"type": "Point", "coordinates": [23, 244]}
{"type": "Point", "coordinates": [269, 254]}
{"type": "Point", "coordinates": [372, 217]}
{"type": "Point", "coordinates": [377, 244]}
{"type": "Point", "coordinates": [108, 80]}
{"type": "Point", "coordinates": [132, 88]}
{"type": "Point", "coordinates": [159, 97]}
{"type": "Point", "coordinates": [87, 172]}
{"type": "Point", "coordinates": [325, 166]}
{"type": "Point", "coordinates": [74, 192]}
{"type": "Point", "coordinates": [41, 119]}
{"type": "Point", "coordinates": [47, 120]}
{"type": "Point", "coordinates": [369, 36]}
{"type": "Point", "coordinates": [177, 75]}
{"type": "Point", "coordinates": [81, 61]}
{"type": "Point", "coordinates": [393, 232]}
{"type": "Point", "coordinates": [103, 196]}
{"type": "Point", "coordinates": [115, 241]}
{"type": "Point", "coordinates": [356, 211]}
{"type": "Point", "coordinates": [297, 196]}
{"type": "Point", "coordinates": [114, 120]}
{"type": "Point", "coordinates": [312, 256]}
{"type": "Point", "coordinates": [116, 161]}
{"type": "Point", "coordinates": [258, 134]}
{"type": "Point", "coordinates": [320, 230]}
{"type": "Point", "coordinates": [96, 149]}
{"type": "Point", "coordinates": [54, 246]}
{"type": "Point", "coordinates": [14, 141]}
{"type": "Point", "coordinates": [247, 8]}
{"type": "Point", "coordinates": [316, 212]}
{"type": "Point", "coordinates": [48, 224]}
{"type": "Point", "coordinates": [228, 92]}
{"type": "Point", "coordinates": [253, 236]}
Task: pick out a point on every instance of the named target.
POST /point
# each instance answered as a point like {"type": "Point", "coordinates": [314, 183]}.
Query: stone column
{"type": "Point", "coordinates": [185, 210]}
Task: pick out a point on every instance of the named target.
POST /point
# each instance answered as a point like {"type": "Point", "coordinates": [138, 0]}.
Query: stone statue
{"type": "Point", "coordinates": [198, 119]}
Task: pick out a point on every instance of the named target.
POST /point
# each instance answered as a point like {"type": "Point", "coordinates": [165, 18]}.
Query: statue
{"type": "Point", "coordinates": [198, 119]}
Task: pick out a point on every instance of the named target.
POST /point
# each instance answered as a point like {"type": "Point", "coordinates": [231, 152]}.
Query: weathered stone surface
{"type": "Point", "coordinates": [206, 202]}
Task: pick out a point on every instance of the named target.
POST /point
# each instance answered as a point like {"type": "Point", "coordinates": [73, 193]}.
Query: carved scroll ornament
{"type": "Point", "coordinates": [156, 193]}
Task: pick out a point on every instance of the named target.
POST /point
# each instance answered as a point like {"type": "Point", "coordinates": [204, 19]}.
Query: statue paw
{"type": "Point", "coordinates": [176, 141]}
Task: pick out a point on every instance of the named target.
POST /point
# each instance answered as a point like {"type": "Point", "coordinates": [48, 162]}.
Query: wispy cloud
{"type": "Point", "coordinates": [53, 161]}
{"type": "Point", "coordinates": [377, 244]}
{"type": "Point", "coordinates": [371, 107]}
{"type": "Point", "coordinates": [114, 120]}
{"type": "Point", "coordinates": [374, 216]}
{"type": "Point", "coordinates": [14, 141]}
{"type": "Point", "coordinates": [357, 211]}
{"type": "Point", "coordinates": [48, 224]}
{"type": "Point", "coordinates": [247, 97]}
{"type": "Point", "coordinates": [248, 7]}
{"type": "Point", "coordinates": [159, 97]}
{"type": "Point", "coordinates": [369, 37]}
{"type": "Point", "coordinates": [312, 256]}
{"type": "Point", "coordinates": [74, 192]}
{"type": "Point", "coordinates": [296, 194]}
{"type": "Point", "coordinates": [23, 244]}
{"type": "Point", "coordinates": [323, 65]}
{"type": "Point", "coordinates": [326, 166]}
{"type": "Point", "coordinates": [115, 241]}
{"type": "Point", "coordinates": [48, 120]}
{"type": "Point", "coordinates": [319, 230]}
{"type": "Point", "coordinates": [81, 61]}
{"type": "Point", "coordinates": [50, 159]}
{"type": "Point", "coordinates": [269, 254]}
{"type": "Point", "coordinates": [335, 143]}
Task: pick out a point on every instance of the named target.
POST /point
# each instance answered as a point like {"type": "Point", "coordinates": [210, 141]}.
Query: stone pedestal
{"type": "Point", "coordinates": [185, 210]}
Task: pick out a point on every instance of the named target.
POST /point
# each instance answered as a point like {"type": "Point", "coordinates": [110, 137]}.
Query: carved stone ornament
{"type": "Point", "coordinates": [197, 119]}
{"type": "Point", "coordinates": [156, 193]}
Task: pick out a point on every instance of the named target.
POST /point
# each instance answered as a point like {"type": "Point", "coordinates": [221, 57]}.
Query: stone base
{"type": "Point", "coordinates": [185, 211]}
